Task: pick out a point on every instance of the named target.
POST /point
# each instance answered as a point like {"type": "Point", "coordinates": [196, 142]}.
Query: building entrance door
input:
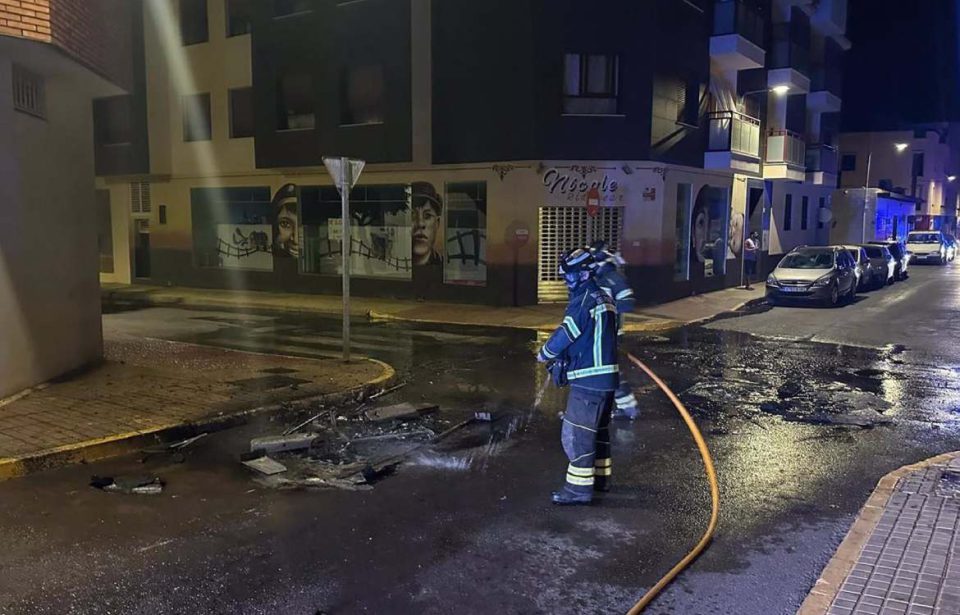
{"type": "Point", "coordinates": [141, 249]}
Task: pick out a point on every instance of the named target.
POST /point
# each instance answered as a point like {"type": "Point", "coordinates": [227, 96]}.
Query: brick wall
{"type": "Point", "coordinates": [95, 32]}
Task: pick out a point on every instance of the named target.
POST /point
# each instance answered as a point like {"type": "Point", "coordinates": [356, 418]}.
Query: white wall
{"type": "Point", "coordinates": [49, 290]}
{"type": "Point", "coordinates": [782, 241]}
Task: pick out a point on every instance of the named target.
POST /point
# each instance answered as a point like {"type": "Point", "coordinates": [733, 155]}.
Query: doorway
{"type": "Point", "coordinates": [141, 248]}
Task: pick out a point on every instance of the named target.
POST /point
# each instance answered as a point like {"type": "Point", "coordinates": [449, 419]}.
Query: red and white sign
{"type": "Point", "coordinates": [593, 202]}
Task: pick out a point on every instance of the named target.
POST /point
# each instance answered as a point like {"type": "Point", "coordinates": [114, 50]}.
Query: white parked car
{"type": "Point", "coordinates": [927, 247]}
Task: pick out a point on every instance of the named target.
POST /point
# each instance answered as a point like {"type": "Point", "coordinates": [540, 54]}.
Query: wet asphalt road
{"type": "Point", "coordinates": [804, 410]}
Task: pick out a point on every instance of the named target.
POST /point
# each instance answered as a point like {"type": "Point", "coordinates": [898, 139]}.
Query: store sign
{"type": "Point", "coordinates": [572, 185]}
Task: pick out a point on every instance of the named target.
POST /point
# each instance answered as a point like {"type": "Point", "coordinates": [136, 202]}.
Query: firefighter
{"type": "Point", "coordinates": [584, 350]}
{"type": "Point", "coordinates": [611, 280]}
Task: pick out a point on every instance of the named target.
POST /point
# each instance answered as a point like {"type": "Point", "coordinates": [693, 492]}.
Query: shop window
{"type": "Point", "coordinates": [591, 84]}
{"type": "Point", "coordinates": [238, 17]}
{"type": "Point", "coordinates": [381, 240]}
{"type": "Point", "coordinates": [196, 117]}
{"type": "Point", "coordinates": [788, 212]}
{"type": "Point", "coordinates": [233, 228]}
{"type": "Point", "coordinates": [295, 108]}
{"type": "Point", "coordinates": [361, 95]}
{"type": "Point", "coordinates": [241, 113]}
{"type": "Point", "coordinates": [681, 267]}
{"type": "Point", "coordinates": [193, 21]}
{"type": "Point", "coordinates": [284, 8]}
{"type": "Point", "coordinates": [466, 234]}
{"type": "Point", "coordinates": [804, 213]}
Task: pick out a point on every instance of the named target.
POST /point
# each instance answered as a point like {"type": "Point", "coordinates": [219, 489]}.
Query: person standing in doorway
{"type": "Point", "coordinates": [751, 253]}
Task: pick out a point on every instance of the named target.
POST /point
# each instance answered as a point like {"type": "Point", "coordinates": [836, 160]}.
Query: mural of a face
{"type": "Point", "coordinates": [425, 228]}
{"type": "Point", "coordinates": [698, 233]}
{"type": "Point", "coordinates": [286, 219]}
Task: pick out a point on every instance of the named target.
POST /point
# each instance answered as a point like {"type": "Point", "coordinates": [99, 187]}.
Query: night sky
{"type": "Point", "coordinates": [904, 67]}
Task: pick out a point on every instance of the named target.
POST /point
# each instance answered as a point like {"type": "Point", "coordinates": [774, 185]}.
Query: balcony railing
{"type": "Point", "coordinates": [786, 147]}
{"type": "Point", "coordinates": [822, 158]}
{"type": "Point", "coordinates": [737, 17]}
{"type": "Point", "coordinates": [734, 132]}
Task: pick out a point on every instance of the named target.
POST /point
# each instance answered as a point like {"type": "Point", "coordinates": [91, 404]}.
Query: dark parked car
{"type": "Point", "coordinates": [900, 255]}
{"type": "Point", "coordinates": [823, 274]}
{"type": "Point", "coordinates": [883, 266]}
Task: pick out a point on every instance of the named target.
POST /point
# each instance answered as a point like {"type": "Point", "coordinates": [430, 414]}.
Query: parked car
{"type": "Point", "coordinates": [901, 257]}
{"type": "Point", "coordinates": [883, 268]}
{"type": "Point", "coordinates": [864, 268]}
{"type": "Point", "coordinates": [821, 274]}
{"type": "Point", "coordinates": [927, 247]}
{"type": "Point", "coordinates": [951, 247]}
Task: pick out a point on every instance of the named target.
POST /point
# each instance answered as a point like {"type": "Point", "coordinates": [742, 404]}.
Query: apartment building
{"type": "Point", "coordinates": [56, 56]}
{"type": "Point", "coordinates": [496, 134]}
{"type": "Point", "coordinates": [918, 166]}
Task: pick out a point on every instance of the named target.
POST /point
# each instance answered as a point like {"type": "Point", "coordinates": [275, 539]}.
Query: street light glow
{"type": "Point", "coordinates": [951, 178]}
{"type": "Point", "coordinates": [780, 90]}
{"type": "Point", "coordinates": [901, 146]}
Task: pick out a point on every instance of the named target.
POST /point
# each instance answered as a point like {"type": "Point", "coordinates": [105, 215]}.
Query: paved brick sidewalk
{"type": "Point", "coordinates": [536, 317]}
{"type": "Point", "coordinates": [147, 386]}
{"type": "Point", "coordinates": [908, 560]}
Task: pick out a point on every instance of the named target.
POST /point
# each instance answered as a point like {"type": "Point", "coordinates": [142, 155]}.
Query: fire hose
{"type": "Point", "coordinates": [714, 492]}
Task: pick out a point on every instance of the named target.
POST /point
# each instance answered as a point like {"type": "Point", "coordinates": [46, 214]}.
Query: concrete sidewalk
{"type": "Point", "coordinates": [536, 317]}
{"type": "Point", "coordinates": [902, 555]}
{"type": "Point", "coordinates": [149, 388]}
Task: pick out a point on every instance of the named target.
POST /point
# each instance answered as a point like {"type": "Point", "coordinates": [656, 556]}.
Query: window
{"type": "Point", "coordinates": [804, 213]}
{"type": "Point", "coordinates": [465, 261]}
{"type": "Point", "coordinates": [232, 228]}
{"type": "Point", "coordinates": [140, 198]}
{"type": "Point", "coordinates": [681, 266]}
{"type": "Point", "coordinates": [193, 21]}
{"type": "Point", "coordinates": [788, 212]}
{"type": "Point", "coordinates": [162, 214]}
{"type": "Point", "coordinates": [822, 212]}
{"type": "Point", "coordinates": [848, 162]}
{"type": "Point", "coordinates": [295, 102]}
{"type": "Point", "coordinates": [238, 17]}
{"type": "Point", "coordinates": [591, 84]}
{"type": "Point", "coordinates": [361, 95]}
{"type": "Point", "coordinates": [282, 8]}
{"type": "Point", "coordinates": [113, 120]}
{"type": "Point", "coordinates": [241, 113]}
{"type": "Point", "coordinates": [104, 231]}
{"type": "Point", "coordinates": [381, 233]}
{"type": "Point", "coordinates": [196, 117]}
{"type": "Point", "coordinates": [918, 164]}
{"type": "Point", "coordinates": [29, 93]}
{"type": "Point", "coordinates": [688, 103]}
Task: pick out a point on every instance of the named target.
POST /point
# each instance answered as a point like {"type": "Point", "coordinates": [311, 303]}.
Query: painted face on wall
{"type": "Point", "coordinates": [286, 240]}
{"type": "Point", "coordinates": [736, 234]}
{"type": "Point", "coordinates": [426, 227]}
{"type": "Point", "coordinates": [698, 234]}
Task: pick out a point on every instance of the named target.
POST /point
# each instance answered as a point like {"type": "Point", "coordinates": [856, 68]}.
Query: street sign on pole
{"type": "Point", "coordinates": [345, 173]}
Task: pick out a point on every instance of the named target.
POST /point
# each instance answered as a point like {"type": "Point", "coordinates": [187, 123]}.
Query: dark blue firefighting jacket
{"type": "Point", "coordinates": [587, 340]}
{"type": "Point", "coordinates": [612, 282]}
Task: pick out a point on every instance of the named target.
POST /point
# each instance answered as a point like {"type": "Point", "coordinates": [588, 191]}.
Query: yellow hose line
{"type": "Point", "coordinates": [714, 492]}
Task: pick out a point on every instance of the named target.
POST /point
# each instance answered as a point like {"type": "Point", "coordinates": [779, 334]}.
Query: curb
{"type": "Point", "coordinates": [123, 443]}
{"type": "Point", "coordinates": [821, 596]}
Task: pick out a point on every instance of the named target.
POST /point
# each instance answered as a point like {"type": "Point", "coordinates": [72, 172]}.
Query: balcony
{"type": "Point", "coordinates": [786, 156]}
{"type": "Point", "coordinates": [830, 18]}
{"type": "Point", "coordinates": [734, 143]}
{"type": "Point", "coordinates": [825, 90]}
{"type": "Point", "coordinates": [822, 165]}
{"type": "Point", "coordinates": [737, 41]}
{"type": "Point", "coordinates": [789, 61]}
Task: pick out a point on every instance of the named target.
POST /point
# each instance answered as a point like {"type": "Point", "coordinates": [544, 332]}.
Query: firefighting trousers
{"type": "Point", "coordinates": [585, 436]}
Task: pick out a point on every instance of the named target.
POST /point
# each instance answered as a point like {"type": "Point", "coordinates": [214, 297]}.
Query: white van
{"type": "Point", "coordinates": [927, 247]}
